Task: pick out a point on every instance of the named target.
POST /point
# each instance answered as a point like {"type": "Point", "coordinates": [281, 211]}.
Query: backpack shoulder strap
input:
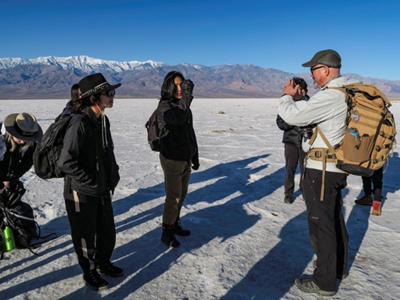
{"type": "Point", "coordinates": [314, 136]}
{"type": "Point", "coordinates": [343, 89]}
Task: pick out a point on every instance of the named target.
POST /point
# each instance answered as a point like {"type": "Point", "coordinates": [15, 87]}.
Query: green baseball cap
{"type": "Point", "coordinates": [327, 57]}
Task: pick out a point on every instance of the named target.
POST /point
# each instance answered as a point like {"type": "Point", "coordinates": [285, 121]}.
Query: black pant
{"type": "Point", "coordinates": [293, 156]}
{"type": "Point", "coordinates": [92, 229]}
{"type": "Point", "coordinates": [326, 226]}
{"type": "Point", "coordinates": [375, 179]}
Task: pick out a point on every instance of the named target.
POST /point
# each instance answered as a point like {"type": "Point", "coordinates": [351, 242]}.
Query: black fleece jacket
{"type": "Point", "coordinates": [15, 164]}
{"type": "Point", "coordinates": [291, 133]}
{"type": "Point", "coordinates": [180, 143]}
{"type": "Point", "coordinates": [87, 157]}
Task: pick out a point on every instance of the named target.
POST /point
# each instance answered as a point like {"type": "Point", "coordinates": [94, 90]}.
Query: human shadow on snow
{"type": "Point", "coordinates": [146, 258]}
{"type": "Point", "coordinates": [273, 275]}
{"type": "Point", "coordinates": [135, 255]}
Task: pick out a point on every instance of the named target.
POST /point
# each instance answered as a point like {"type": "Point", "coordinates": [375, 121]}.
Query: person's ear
{"type": "Point", "coordinates": [92, 100]}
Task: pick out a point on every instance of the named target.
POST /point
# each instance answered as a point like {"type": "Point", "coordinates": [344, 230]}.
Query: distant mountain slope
{"type": "Point", "coordinates": [52, 77]}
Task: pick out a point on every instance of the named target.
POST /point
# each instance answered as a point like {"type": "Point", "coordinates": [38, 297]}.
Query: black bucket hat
{"type": "Point", "coordinates": [23, 126]}
{"type": "Point", "coordinates": [327, 57]}
{"type": "Point", "coordinates": [95, 84]}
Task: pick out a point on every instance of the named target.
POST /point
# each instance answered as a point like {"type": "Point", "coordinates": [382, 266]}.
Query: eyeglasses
{"type": "Point", "coordinates": [109, 94]}
{"type": "Point", "coordinates": [316, 68]}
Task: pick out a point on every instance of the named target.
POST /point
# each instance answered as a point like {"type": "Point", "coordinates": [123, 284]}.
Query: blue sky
{"type": "Point", "coordinates": [277, 34]}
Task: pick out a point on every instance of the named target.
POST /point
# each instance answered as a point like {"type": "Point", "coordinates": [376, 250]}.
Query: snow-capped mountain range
{"type": "Point", "coordinates": [83, 63]}
{"type": "Point", "coordinates": [52, 77]}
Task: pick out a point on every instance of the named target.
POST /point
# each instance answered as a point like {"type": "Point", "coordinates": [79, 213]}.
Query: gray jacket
{"type": "Point", "coordinates": [327, 109]}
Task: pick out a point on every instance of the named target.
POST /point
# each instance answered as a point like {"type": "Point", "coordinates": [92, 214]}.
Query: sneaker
{"type": "Point", "coordinates": [309, 286]}
{"type": "Point", "coordinates": [338, 276]}
{"type": "Point", "coordinates": [376, 208]}
{"type": "Point", "coordinates": [288, 200]}
{"type": "Point", "coordinates": [178, 230]}
{"type": "Point", "coordinates": [94, 280]}
{"type": "Point", "coordinates": [168, 237]}
{"type": "Point", "coordinates": [365, 200]}
{"type": "Point", "coordinates": [110, 270]}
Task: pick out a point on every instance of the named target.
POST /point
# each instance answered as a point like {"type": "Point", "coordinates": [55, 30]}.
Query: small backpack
{"type": "Point", "coordinates": [155, 131]}
{"type": "Point", "coordinates": [49, 148]}
{"type": "Point", "coordinates": [18, 215]}
{"type": "Point", "coordinates": [370, 134]}
{"type": "Point", "coordinates": [23, 223]}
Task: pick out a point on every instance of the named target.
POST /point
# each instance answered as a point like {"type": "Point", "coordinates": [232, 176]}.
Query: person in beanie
{"type": "Point", "coordinates": [294, 154]}
{"type": "Point", "coordinates": [179, 152]}
{"type": "Point", "coordinates": [17, 145]}
{"type": "Point", "coordinates": [322, 182]}
{"type": "Point", "coordinates": [91, 175]}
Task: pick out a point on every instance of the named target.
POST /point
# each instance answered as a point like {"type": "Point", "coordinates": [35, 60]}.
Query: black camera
{"type": "Point", "coordinates": [306, 133]}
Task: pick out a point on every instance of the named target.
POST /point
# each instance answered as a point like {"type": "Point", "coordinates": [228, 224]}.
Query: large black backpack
{"type": "Point", "coordinates": [48, 150]}
{"type": "Point", "coordinates": [18, 216]}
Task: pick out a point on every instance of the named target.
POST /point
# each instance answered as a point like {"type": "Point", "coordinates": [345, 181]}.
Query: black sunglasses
{"type": "Point", "coordinates": [316, 68]}
{"type": "Point", "coordinates": [109, 94]}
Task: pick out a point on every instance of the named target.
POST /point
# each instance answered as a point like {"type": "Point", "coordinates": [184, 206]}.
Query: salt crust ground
{"type": "Point", "coordinates": [245, 244]}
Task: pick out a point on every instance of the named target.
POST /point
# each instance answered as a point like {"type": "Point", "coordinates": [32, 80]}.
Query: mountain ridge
{"type": "Point", "coordinates": [51, 77]}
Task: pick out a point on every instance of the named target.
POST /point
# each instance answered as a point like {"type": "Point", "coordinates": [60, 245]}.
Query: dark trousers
{"type": "Point", "coordinates": [176, 181]}
{"type": "Point", "coordinates": [293, 156]}
{"type": "Point", "coordinates": [326, 226]}
{"type": "Point", "coordinates": [376, 180]}
{"type": "Point", "coordinates": [92, 229]}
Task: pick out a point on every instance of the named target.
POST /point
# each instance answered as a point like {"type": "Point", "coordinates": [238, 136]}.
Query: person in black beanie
{"type": "Point", "coordinates": [179, 151]}
{"type": "Point", "coordinates": [294, 154]}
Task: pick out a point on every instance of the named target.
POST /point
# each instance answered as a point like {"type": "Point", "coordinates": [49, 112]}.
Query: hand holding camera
{"type": "Point", "coordinates": [293, 89]}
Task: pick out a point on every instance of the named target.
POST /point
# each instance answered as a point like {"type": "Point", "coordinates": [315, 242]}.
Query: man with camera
{"type": "Point", "coordinates": [292, 139]}
{"type": "Point", "coordinates": [323, 197]}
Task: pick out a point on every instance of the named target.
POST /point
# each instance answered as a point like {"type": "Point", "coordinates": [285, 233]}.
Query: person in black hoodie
{"type": "Point", "coordinates": [91, 175]}
{"type": "Point", "coordinates": [179, 151]}
{"type": "Point", "coordinates": [294, 154]}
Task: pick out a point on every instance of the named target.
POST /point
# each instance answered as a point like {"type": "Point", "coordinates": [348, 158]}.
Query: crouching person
{"type": "Point", "coordinates": [91, 175]}
{"type": "Point", "coordinates": [17, 144]}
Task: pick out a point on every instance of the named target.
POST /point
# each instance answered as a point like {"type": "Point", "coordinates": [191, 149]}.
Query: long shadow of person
{"type": "Point", "coordinates": [146, 258]}
{"type": "Point", "coordinates": [273, 276]}
{"type": "Point", "coordinates": [223, 175]}
{"type": "Point", "coordinates": [137, 253]}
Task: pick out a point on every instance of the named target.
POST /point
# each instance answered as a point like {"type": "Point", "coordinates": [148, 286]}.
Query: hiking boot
{"type": "Point", "coordinates": [94, 280]}
{"type": "Point", "coordinates": [338, 276]}
{"type": "Point", "coordinates": [308, 285]}
{"type": "Point", "coordinates": [110, 270]}
{"type": "Point", "coordinates": [376, 208]}
{"type": "Point", "coordinates": [178, 230]}
{"type": "Point", "coordinates": [168, 237]}
{"type": "Point", "coordinates": [288, 200]}
{"type": "Point", "coordinates": [365, 200]}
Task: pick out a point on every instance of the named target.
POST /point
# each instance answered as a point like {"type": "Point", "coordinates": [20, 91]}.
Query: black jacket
{"type": "Point", "coordinates": [14, 165]}
{"type": "Point", "coordinates": [180, 143]}
{"type": "Point", "coordinates": [87, 157]}
{"type": "Point", "coordinates": [291, 133]}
